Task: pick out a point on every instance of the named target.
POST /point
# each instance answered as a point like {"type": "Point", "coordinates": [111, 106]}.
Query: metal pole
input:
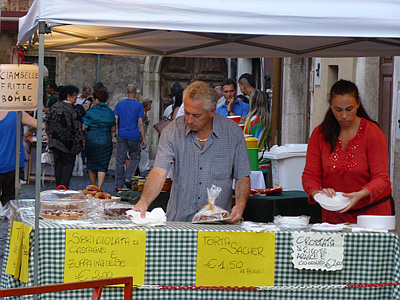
{"type": "Point", "coordinates": [276, 102]}
{"type": "Point", "coordinates": [17, 154]}
{"type": "Point", "coordinates": [262, 62]}
{"type": "Point", "coordinates": [98, 68]}
{"type": "Point", "coordinates": [42, 27]}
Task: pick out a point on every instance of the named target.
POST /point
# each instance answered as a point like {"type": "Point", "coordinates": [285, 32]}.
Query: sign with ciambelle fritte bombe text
{"type": "Point", "coordinates": [19, 86]}
{"type": "Point", "coordinates": [92, 254]}
{"type": "Point", "coordinates": [317, 250]}
{"type": "Point", "coordinates": [235, 258]}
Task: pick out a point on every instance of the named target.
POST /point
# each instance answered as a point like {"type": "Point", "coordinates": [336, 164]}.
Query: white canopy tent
{"type": "Point", "coordinates": [209, 28]}
{"type": "Point", "coordinates": [225, 28]}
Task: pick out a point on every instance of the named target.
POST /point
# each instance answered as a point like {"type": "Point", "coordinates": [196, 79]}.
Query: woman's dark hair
{"type": "Point", "coordinates": [178, 100]}
{"type": "Point", "coordinates": [66, 91]}
{"type": "Point", "coordinates": [243, 98]}
{"type": "Point", "coordinates": [330, 126]}
{"type": "Point", "coordinates": [101, 94]}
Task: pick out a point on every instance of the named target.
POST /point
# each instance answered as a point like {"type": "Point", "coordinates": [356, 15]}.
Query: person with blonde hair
{"type": "Point", "coordinates": [203, 148]}
{"type": "Point", "coordinates": [258, 121]}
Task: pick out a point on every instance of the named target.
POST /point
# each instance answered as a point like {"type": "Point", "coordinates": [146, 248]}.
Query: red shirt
{"type": "Point", "coordinates": [364, 164]}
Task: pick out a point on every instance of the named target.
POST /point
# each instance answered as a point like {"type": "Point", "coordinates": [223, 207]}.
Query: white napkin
{"type": "Point", "coordinates": [252, 226]}
{"type": "Point", "coordinates": [156, 217]}
{"type": "Point", "coordinates": [328, 227]}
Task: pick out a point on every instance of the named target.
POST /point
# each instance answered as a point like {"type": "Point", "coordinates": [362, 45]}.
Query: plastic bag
{"type": "Point", "coordinates": [211, 213]}
{"type": "Point", "coordinates": [47, 157]}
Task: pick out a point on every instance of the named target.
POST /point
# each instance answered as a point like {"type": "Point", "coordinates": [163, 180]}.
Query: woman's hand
{"type": "Point", "coordinates": [327, 191]}
{"type": "Point", "coordinates": [354, 198]}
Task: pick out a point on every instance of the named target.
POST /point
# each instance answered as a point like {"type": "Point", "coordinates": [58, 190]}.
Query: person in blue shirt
{"type": "Point", "coordinates": [8, 144]}
{"type": "Point", "coordinates": [232, 106]}
{"type": "Point", "coordinates": [129, 114]}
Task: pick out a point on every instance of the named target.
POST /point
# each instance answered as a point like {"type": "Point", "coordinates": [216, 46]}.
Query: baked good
{"type": "Point", "coordinates": [102, 195]}
{"type": "Point", "coordinates": [88, 193]}
{"type": "Point", "coordinates": [93, 188]}
{"type": "Point", "coordinates": [63, 214]}
{"type": "Point", "coordinates": [215, 217]}
{"type": "Point", "coordinates": [117, 210]}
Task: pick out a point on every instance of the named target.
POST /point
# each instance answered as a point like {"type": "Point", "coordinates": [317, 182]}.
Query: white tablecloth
{"type": "Point", "coordinates": [256, 180]}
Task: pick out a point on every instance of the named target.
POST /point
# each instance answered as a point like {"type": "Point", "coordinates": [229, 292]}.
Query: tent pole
{"type": "Point", "coordinates": [98, 68]}
{"type": "Point", "coordinates": [17, 154]}
{"type": "Point", "coordinates": [276, 102]}
{"type": "Point", "coordinates": [42, 27]}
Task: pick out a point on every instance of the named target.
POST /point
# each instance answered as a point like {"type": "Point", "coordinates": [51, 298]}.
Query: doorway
{"type": "Point", "coordinates": [185, 70]}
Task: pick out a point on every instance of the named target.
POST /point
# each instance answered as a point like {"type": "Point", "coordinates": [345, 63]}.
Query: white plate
{"type": "Point", "coordinates": [333, 204]}
{"type": "Point", "coordinates": [327, 227]}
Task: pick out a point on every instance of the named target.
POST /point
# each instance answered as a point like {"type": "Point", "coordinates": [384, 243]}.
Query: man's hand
{"type": "Point", "coordinates": [154, 184]}
{"type": "Point", "coordinates": [141, 207]}
{"type": "Point", "coordinates": [144, 144]}
{"type": "Point", "coordinates": [236, 214]}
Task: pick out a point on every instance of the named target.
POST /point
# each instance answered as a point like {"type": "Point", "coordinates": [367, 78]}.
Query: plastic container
{"type": "Point", "coordinates": [287, 164]}
{"type": "Point", "coordinates": [63, 204]}
{"type": "Point", "coordinates": [376, 222]}
{"type": "Point", "coordinates": [253, 155]}
{"type": "Point", "coordinates": [235, 119]}
{"type": "Point", "coordinates": [251, 142]}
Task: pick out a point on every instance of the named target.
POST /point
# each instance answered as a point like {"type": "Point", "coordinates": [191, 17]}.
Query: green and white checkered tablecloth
{"type": "Point", "coordinates": [171, 260]}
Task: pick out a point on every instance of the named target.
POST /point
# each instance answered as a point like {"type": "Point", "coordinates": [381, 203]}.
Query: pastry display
{"type": "Point", "coordinates": [63, 204]}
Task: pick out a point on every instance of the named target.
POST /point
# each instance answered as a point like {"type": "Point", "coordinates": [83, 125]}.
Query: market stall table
{"type": "Point", "coordinates": [170, 259]}
{"type": "Point", "coordinates": [258, 208]}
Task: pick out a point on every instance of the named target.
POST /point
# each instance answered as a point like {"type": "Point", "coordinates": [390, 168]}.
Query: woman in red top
{"type": "Point", "coordinates": [348, 153]}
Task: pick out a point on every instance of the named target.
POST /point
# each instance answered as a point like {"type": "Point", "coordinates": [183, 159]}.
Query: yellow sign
{"type": "Point", "coordinates": [92, 254]}
{"type": "Point", "coordinates": [14, 255]}
{"type": "Point", "coordinates": [235, 258]}
{"type": "Point", "coordinates": [24, 276]}
{"type": "Point", "coordinates": [19, 85]}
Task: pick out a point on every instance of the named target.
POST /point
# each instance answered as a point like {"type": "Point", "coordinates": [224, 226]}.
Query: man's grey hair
{"type": "Point", "coordinates": [131, 88]}
{"type": "Point", "coordinates": [202, 91]}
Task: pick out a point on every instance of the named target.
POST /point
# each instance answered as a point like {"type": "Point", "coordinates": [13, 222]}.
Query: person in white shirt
{"type": "Point", "coordinates": [84, 99]}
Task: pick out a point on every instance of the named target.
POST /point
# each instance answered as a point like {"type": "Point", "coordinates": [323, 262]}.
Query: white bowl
{"type": "Point", "coordinates": [376, 222]}
{"type": "Point", "coordinates": [335, 203]}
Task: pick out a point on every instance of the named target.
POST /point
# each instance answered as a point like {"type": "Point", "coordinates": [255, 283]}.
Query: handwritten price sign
{"type": "Point", "coordinates": [98, 254]}
{"type": "Point", "coordinates": [19, 86]}
{"type": "Point", "coordinates": [235, 258]}
{"type": "Point", "coordinates": [317, 251]}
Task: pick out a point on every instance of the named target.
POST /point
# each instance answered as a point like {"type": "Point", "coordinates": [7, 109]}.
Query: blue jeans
{"type": "Point", "coordinates": [125, 146]}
